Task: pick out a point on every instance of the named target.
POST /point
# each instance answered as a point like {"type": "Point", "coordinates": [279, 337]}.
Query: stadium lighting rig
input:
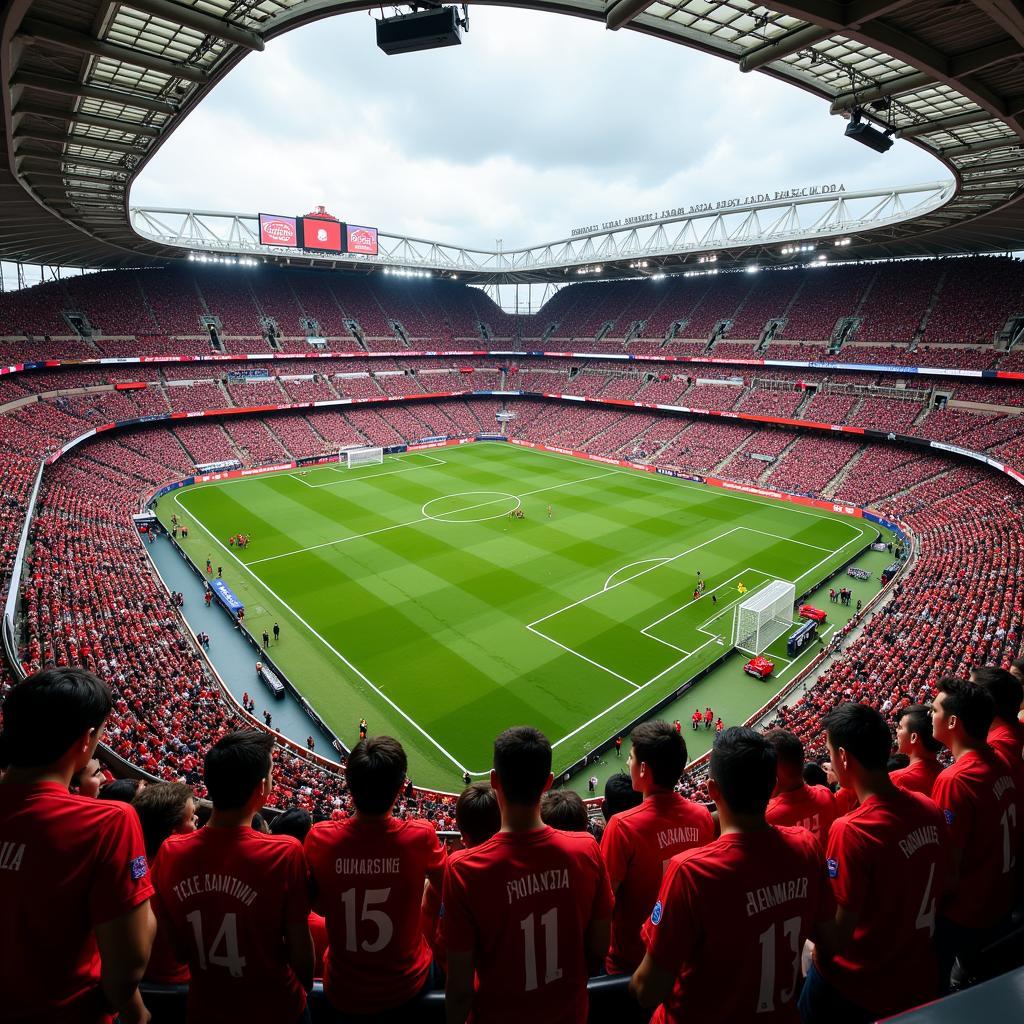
{"type": "Point", "coordinates": [229, 261]}
{"type": "Point", "coordinates": [866, 134]}
{"type": "Point", "coordinates": [407, 272]}
{"type": "Point", "coordinates": [426, 27]}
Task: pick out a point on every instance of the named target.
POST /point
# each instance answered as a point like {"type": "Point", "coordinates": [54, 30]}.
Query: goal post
{"type": "Point", "coordinates": [761, 619]}
{"type": "Point", "coordinates": [354, 457]}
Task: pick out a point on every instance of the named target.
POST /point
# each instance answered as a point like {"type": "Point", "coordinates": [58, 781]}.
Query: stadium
{"type": "Point", "coordinates": [748, 464]}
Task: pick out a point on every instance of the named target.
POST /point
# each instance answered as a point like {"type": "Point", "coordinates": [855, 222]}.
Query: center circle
{"type": "Point", "coordinates": [470, 506]}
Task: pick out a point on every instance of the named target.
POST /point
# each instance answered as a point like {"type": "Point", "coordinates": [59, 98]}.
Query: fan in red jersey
{"type": "Point", "coordinates": [527, 913]}
{"type": "Point", "coordinates": [888, 860]}
{"type": "Point", "coordinates": [744, 904]}
{"type": "Point", "coordinates": [368, 874]}
{"type": "Point", "coordinates": [793, 802]}
{"type": "Point", "coordinates": [235, 901]}
{"type": "Point", "coordinates": [638, 843]}
{"type": "Point", "coordinates": [979, 799]}
{"type": "Point", "coordinates": [1006, 734]}
{"type": "Point", "coordinates": [914, 738]}
{"type": "Point", "coordinates": [74, 882]}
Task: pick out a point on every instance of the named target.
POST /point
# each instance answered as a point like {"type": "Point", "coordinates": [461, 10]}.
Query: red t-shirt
{"type": "Point", "coordinates": [318, 929]}
{"type": "Point", "coordinates": [730, 923]}
{"type": "Point", "coordinates": [979, 799]}
{"type": "Point", "coordinates": [67, 864]}
{"type": "Point", "coordinates": [846, 800]}
{"type": "Point", "coordinates": [888, 861]}
{"type": "Point", "coordinates": [522, 902]}
{"type": "Point", "coordinates": [637, 846]}
{"type": "Point", "coordinates": [369, 877]}
{"type": "Point", "coordinates": [226, 896]}
{"type": "Point", "coordinates": [918, 777]}
{"type": "Point", "coordinates": [809, 807]}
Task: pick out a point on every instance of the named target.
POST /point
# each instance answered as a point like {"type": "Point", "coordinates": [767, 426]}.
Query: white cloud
{"type": "Point", "coordinates": [535, 124]}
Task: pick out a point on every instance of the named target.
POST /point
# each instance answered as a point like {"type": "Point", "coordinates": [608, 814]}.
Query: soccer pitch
{"type": "Point", "coordinates": [406, 593]}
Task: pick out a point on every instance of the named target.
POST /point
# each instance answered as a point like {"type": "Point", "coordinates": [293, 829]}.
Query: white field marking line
{"type": "Point", "coordinates": [790, 540]}
{"type": "Point", "coordinates": [402, 457]}
{"type": "Point", "coordinates": [690, 485]}
{"type": "Point", "coordinates": [596, 664]}
{"type": "Point", "coordinates": [359, 479]}
{"type": "Point", "coordinates": [422, 519]}
{"type": "Point", "coordinates": [341, 657]}
{"type": "Point", "coordinates": [629, 565]}
{"type": "Point", "coordinates": [642, 572]}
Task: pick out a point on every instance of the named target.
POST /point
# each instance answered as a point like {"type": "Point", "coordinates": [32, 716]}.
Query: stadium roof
{"type": "Point", "coordinates": [92, 88]}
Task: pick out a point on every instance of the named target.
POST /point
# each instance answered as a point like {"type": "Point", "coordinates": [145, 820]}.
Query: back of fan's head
{"type": "Point", "coordinates": [917, 718]}
{"type": "Point", "coordinates": [564, 810]}
{"type": "Point", "coordinates": [522, 762]}
{"type": "Point", "coordinates": [862, 732]}
{"type": "Point", "coordinates": [1003, 687]}
{"type": "Point", "coordinates": [662, 749]}
{"type": "Point", "coordinates": [477, 815]}
{"type": "Point", "coordinates": [743, 765]}
{"type": "Point", "coordinates": [46, 713]}
{"type": "Point", "coordinates": [789, 751]}
{"type": "Point", "coordinates": [376, 771]}
{"type": "Point", "coordinates": [235, 765]}
{"type": "Point", "coordinates": [619, 795]}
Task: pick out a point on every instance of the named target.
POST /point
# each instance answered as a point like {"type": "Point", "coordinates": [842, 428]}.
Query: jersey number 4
{"type": "Point", "coordinates": [223, 951]}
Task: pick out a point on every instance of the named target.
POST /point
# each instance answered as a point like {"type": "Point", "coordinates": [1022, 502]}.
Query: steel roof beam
{"type": "Point", "coordinates": [846, 101]}
{"type": "Point", "coordinates": [50, 157]}
{"type": "Point", "coordinates": [40, 134]}
{"type": "Point", "coordinates": [621, 12]}
{"type": "Point", "coordinates": [1009, 142]}
{"type": "Point", "coordinates": [984, 57]}
{"type": "Point", "coordinates": [199, 20]}
{"type": "Point", "coordinates": [66, 87]}
{"type": "Point", "coordinates": [783, 46]}
{"type": "Point", "coordinates": [942, 124]}
{"type": "Point", "coordinates": [34, 30]}
{"type": "Point", "coordinates": [70, 116]}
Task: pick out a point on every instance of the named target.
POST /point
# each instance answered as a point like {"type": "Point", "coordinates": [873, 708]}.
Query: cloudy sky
{"type": "Point", "coordinates": [536, 124]}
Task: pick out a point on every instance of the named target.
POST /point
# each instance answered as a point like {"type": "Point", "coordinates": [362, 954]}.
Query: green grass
{"type": "Point", "coordinates": [406, 594]}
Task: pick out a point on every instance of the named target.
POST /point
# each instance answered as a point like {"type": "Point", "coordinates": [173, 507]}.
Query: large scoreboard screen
{"type": "Point", "coordinates": [360, 240]}
{"type": "Point", "coordinates": [278, 230]}
{"type": "Point", "coordinates": [322, 235]}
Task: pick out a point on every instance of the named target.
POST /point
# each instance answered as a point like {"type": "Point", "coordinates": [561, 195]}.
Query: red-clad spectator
{"type": "Point", "coordinates": [165, 809]}
{"type": "Point", "coordinates": [888, 861]}
{"type": "Point", "coordinates": [75, 884]}
{"type": "Point", "coordinates": [980, 802]}
{"type": "Point", "coordinates": [526, 914]}
{"type": "Point", "coordinates": [718, 923]}
{"type": "Point", "coordinates": [639, 843]}
{"type": "Point", "coordinates": [368, 874]}
{"type": "Point", "coordinates": [914, 738]}
{"type": "Point", "coordinates": [793, 802]}
{"type": "Point", "coordinates": [235, 900]}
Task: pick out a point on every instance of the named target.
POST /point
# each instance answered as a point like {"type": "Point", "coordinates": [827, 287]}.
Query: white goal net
{"type": "Point", "coordinates": [763, 618]}
{"type": "Point", "coordinates": [353, 457]}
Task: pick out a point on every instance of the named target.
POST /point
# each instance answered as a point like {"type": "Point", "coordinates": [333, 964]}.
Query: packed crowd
{"type": "Point", "coordinates": [844, 888]}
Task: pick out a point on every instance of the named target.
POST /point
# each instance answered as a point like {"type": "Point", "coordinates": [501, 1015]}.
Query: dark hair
{"type": "Point", "coordinates": [1005, 690]}
{"type": "Point", "coordinates": [814, 774]}
{"type": "Point", "coordinates": [971, 703]}
{"type": "Point", "coordinates": [1018, 664]}
{"type": "Point", "coordinates": [47, 712]}
{"type": "Point", "coordinates": [477, 815]}
{"type": "Point", "coordinates": [376, 774]}
{"type": "Point", "coordinates": [122, 790]}
{"type": "Point", "coordinates": [862, 732]}
{"type": "Point", "coordinates": [662, 749]}
{"type": "Point", "coordinates": [564, 809]}
{"type": "Point", "coordinates": [789, 750]}
{"type": "Point", "coordinates": [522, 760]}
{"type": "Point", "coordinates": [920, 721]}
{"type": "Point", "coordinates": [896, 762]}
{"type": "Point", "coordinates": [293, 822]}
{"type": "Point", "coordinates": [161, 809]}
{"type": "Point", "coordinates": [619, 795]}
{"type": "Point", "coordinates": [743, 765]}
{"type": "Point", "coordinates": [235, 765]}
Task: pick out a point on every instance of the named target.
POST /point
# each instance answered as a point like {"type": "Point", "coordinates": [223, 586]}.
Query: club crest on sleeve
{"type": "Point", "coordinates": [138, 868]}
{"type": "Point", "coordinates": [833, 867]}
{"type": "Point", "coordinates": [948, 815]}
{"type": "Point", "coordinates": [656, 913]}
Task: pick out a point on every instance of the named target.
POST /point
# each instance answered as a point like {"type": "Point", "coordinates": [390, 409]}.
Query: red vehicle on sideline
{"type": "Point", "coordinates": [759, 666]}
{"type": "Point", "coordinates": [808, 611]}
